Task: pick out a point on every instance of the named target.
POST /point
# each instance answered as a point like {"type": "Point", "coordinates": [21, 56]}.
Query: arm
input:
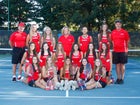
{"type": "Point", "coordinates": [110, 61]}
{"type": "Point", "coordinates": [91, 39]}
{"type": "Point", "coordinates": [43, 72]}
{"type": "Point", "coordinates": [11, 44]}
{"type": "Point", "coordinates": [79, 40]}
{"type": "Point", "coordinates": [27, 40]}
{"type": "Point", "coordinates": [23, 58]}
{"type": "Point", "coordinates": [61, 74]}
{"type": "Point", "coordinates": [54, 43]}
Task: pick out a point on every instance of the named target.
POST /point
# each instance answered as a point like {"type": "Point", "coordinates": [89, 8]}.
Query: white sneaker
{"type": "Point", "coordinates": [67, 85]}
{"type": "Point", "coordinates": [57, 86]}
{"type": "Point", "coordinates": [61, 87]}
{"type": "Point", "coordinates": [74, 85]}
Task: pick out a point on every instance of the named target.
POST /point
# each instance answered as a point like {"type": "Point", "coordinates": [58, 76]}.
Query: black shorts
{"type": "Point", "coordinates": [102, 83]}
{"type": "Point", "coordinates": [120, 57]}
{"type": "Point", "coordinates": [107, 73]}
{"type": "Point", "coordinates": [31, 83]}
{"type": "Point", "coordinates": [17, 55]}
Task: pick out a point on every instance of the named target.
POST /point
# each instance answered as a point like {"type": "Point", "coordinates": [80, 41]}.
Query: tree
{"type": "Point", "coordinates": [19, 10]}
{"type": "Point", "coordinates": [3, 12]}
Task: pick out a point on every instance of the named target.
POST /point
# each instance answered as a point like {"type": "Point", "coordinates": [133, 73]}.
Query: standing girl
{"type": "Point", "coordinates": [28, 56]}
{"type": "Point", "coordinates": [48, 37]}
{"type": "Point", "coordinates": [91, 55]}
{"type": "Point", "coordinates": [76, 55]}
{"type": "Point", "coordinates": [34, 36]}
{"type": "Point", "coordinates": [84, 40]}
{"type": "Point", "coordinates": [106, 58]}
{"type": "Point", "coordinates": [104, 36]}
{"type": "Point", "coordinates": [45, 52]}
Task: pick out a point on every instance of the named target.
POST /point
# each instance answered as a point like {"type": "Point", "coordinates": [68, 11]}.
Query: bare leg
{"type": "Point", "coordinates": [92, 81]}
{"type": "Point", "coordinates": [94, 85]}
{"type": "Point", "coordinates": [20, 70]}
{"type": "Point", "coordinates": [122, 71]}
{"type": "Point", "coordinates": [38, 84]}
{"type": "Point", "coordinates": [118, 67]}
{"type": "Point", "coordinates": [14, 69]}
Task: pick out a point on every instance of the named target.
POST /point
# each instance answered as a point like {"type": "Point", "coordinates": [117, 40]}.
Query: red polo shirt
{"type": "Point", "coordinates": [120, 39]}
{"type": "Point", "coordinates": [67, 43]}
{"type": "Point", "coordinates": [18, 39]}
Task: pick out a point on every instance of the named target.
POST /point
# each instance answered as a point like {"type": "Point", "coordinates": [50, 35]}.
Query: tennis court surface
{"type": "Point", "coordinates": [17, 93]}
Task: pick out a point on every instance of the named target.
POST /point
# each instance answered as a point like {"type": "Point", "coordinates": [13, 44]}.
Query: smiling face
{"type": "Point", "coordinates": [65, 31]}
{"type": "Point", "coordinates": [84, 62]}
{"type": "Point", "coordinates": [84, 30]}
{"type": "Point", "coordinates": [97, 62]}
{"type": "Point", "coordinates": [104, 47]}
{"type": "Point", "coordinates": [59, 46]}
{"type": "Point", "coordinates": [75, 47]}
{"type": "Point", "coordinates": [48, 31]}
{"type": "Point", "coordinates": [21, 28]}
{"type": "Point", "coordinates": [104, 27]}
{"type": "Point", "coordinates": [35, 60]}
{"type": "Point", "coordinates": [49, 60]}
{"type": "Point", "coordinates": [118, 25]}
{"type": "Point", "coordinates": [32, 46]}
{"type": "Point", "coordinates": [67, 61]}
{"type": "Point", "coordinates": [34, 27]}
{"type": "Point", "coordinates": [45, 47]}
{"type": "Point", "coordinates": [91, 46]}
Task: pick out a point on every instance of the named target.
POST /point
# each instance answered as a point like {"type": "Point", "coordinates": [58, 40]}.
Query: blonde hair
{"type": "Point", "coordinates": [62, 31]}
{"type": "Point", "coordinates": [31, 31]}
{"type": "Point", "coordinates": [45, 35]}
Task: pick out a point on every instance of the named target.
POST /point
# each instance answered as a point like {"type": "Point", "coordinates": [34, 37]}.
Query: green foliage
{"type": "Point", "coordinates": [74, 13]}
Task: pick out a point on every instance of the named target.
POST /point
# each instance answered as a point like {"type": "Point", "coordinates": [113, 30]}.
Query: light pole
{"type": "Point", "coordinates": [8, 15]}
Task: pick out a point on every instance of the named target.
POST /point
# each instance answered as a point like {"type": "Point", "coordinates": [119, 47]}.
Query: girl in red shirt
{"type": "Point", "coordinates": [76, 55]}
{"type": "Point", "coordinates": [84, 40]}
{"type": "Point", "coordinates": [48, 37]}
{"type": "Point", "coordinates": [106, 58]}
{"type": "Point", "coordinates": [84, 74]}
{"type": "Point", "coordinates": [43, 55]}
{"type": "Point", "coordinates": [28, 56]}
{"type": "Point", "coordinates": [33, 74]}
{"type": "Point", "coordinates": [34, 36]}
{"type": "Point", "coordinates": [99, 79]}
{"type": "Point", "coordinates": [49, 74]}
{"type": "Point", "coordinates": [91, 54]}
{"type": "Point", "coordinates": [59, 57]}
{"type": "Point", "coordinates": [104, 36]}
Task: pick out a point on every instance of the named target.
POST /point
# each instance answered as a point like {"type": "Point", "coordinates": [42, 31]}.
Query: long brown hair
{"type": "Point", "coordinates": [29, 50]}
{"type": "Point", "coordinates": [106, 50]}
{"type": "Point", "coordinates": [93, 51]}
{"type": "Point", "coordinates": [45, 35]}
{"type": "Point", "coordinates": [101, 32]}
{"type": "Point", "coordinates": [38, 66]}
{"type": "Point", "coordinates": [52, 64]}
{"type": "Point", "coordinates": [64, 67]}
{"type": "Point", "coordinates": [57, 50]}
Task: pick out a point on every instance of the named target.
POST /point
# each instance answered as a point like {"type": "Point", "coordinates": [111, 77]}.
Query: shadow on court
{"type": "Point", "coordinates": [17, 93]}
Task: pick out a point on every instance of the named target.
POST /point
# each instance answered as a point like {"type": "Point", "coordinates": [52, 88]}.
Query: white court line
{"type": "Point", "coordinates": [5, 60]}
{"type": "Point", "coordinates": [73, 97]}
